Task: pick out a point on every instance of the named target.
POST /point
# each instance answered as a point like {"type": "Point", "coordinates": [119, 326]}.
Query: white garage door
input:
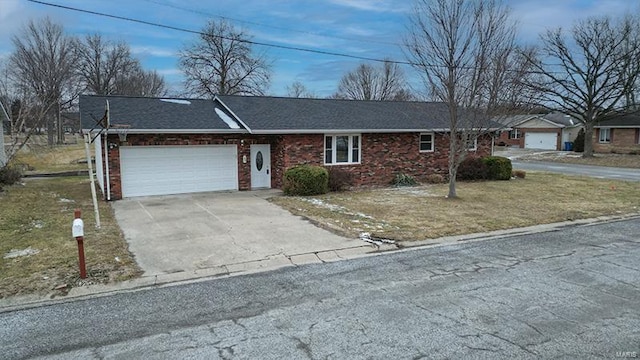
{"type": "Point", "coordinates": [541, 140]}
{"type": "Point", "coordinates": [160, 170]}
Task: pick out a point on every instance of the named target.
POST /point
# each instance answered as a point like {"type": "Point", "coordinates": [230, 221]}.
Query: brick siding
{"type": "Point", "coordinates": [622, 141]}
{"type": "Point", "coordinates": [382, 155]}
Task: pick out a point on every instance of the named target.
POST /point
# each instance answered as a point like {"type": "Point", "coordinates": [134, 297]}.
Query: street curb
{"type": "Point", "coordinates": [283, 261]}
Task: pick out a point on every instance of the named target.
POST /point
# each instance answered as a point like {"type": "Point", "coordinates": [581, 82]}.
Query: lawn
{"type": "Point", "coordinates": [39, 159]}
{"type": "Point", "coordinates": [422, 212]}
{"type": "Point", "coordinates": [614, 160]}
{"type": "Point", "coordinates": [37, 215]}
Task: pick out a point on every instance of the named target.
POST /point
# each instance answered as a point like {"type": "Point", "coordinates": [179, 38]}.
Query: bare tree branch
{"type": "Point", "coordinates": [221, 62]}
{"type": "Point", "coordinates": [466, 55]}
{"type": "Point", "coordinates": [367, 82]}
{"type": "Point", "coordinates": [592, 73]}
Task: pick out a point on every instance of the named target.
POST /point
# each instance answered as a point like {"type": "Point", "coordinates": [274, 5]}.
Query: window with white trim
{"type": "Point", "coordinates": [342, 149]}
{"type": "Point", "coordinates": [426, 142]}
{"type": "Point", "coordinates": [472, 145]}
{"type": "Point", "coordinates": [514, 134]}
{"type": "Point", "coordinates": [605, 135]}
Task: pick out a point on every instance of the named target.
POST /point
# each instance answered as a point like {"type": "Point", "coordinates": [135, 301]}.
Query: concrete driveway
{"type": "Point", "coordinates": [178, 233]}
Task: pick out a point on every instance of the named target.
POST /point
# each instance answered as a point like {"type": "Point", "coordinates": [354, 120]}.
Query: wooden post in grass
{"type": "Point", "coordinates": [77, 230]}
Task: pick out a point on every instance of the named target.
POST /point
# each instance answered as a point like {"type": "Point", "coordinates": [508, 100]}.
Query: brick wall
{"type": "Point", "coordinates": [382, 155]}
{"type": "Point", "coordinates": [622, 141]}
{"type": "Point", "coordinates": [520, 142]}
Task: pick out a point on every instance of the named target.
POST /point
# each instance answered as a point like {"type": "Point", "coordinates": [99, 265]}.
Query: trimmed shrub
{"type": "Point", "coordinates": [435, 179]}
{"type": "Point", "coordinates": [305, 180]}
{"type": "Point", "coordinates": [498, 167]}
{"type": "Point", "coordinates": [472, 168]}
{"type": "Point", "coordinates": [404, 180]}
{"type": "Point", "coordinates": [10, 175]}
{"type": "Point", "coordinates": [578, 143]}
{"type": "Point", "coordinates": [520, 174]}
{"type": "Point", "coordinates": [339, 178]}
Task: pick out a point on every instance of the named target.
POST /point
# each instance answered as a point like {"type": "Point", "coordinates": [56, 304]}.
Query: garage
{"type": "Point", "coordinates": [541, 140]}
{"type": "Point", "coordinates": [163, 170]}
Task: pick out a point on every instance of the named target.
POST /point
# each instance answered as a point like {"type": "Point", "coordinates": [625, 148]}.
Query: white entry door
{"type": "Point", "coordinates": [260, 166]}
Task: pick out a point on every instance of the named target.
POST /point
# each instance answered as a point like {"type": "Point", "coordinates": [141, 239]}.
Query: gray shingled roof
{"type": "Point", "coordinates": [629, 120]}
{"type": "Point", "coordinates": [266, 114]}
{"type": "Point", "coordinates": [562, 119]}
{"type": "Point", "coordinates": [153, 113]}
{"type": "Point", "coordinates": [288, 114]}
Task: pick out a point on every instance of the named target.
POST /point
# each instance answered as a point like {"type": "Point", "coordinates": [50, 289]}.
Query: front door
{"type": "Point", "coordinates": [260, 166]}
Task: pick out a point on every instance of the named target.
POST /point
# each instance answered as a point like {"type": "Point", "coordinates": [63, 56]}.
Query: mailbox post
{"type": "Point", "coordinates": [77, 231]}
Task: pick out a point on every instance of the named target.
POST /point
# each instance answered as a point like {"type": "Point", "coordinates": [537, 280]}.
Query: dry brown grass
{"type": "Point", "coordinates": [38, 215]}
{"type": "Point", "coordinates": [423, 212]}
{"type": "Point", "coordinates": [40, 159]}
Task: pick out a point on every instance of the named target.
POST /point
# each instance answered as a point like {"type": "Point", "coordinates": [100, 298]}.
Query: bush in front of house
{"type": "Point", "coordinates": [403, 180]}
{"type": "Point", "coordinates": [498, 167]}
{"type": "Point", "coordinates": [304, 180]}
{"type": "Point", "coordinates": [435, 179]}
{"type": "Point", "coordinates": [578, 143]}
{"type": "Point", "coordinates": [471, 169]}
{"type": "Point", "coordinates": [9, 175]}
{"type": "Point", "coordinates": [520, 174]}
{"type": "Point", "coordinates": [339, 178]}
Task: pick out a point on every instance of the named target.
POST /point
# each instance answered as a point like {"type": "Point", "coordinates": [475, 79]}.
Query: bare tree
{"type": "Point", "coordinates": [138, 82]}
{"type": "Point", "coordinates": [223, 62]}
{"type": "Point", "coordinates": [102, 62]}
{"type": "Point", "coordinates": [368, 82]}
{"type": "Point", "coordinates": [298, 90]}
{"type": "Point", "coordinates": [592, 73]}
{"type": "Point", "coordinates": [461, 48]}
{"type": "Point", "coordinates": [24, 111]}
{"type": "Point", "coordinates": [42, 65]}
{"type": "Point", "coordinates": [108, 68]}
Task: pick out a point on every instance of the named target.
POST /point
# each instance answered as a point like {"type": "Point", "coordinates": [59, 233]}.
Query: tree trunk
{"type": "Point", "coordinates": [588, 140]}
{"type": "Point", "coordinates": [50, 129]}
{"type": "Point", "coordinates": [453, 171]}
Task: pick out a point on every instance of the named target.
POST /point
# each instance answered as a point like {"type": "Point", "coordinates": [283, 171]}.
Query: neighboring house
{"type": "Point", "coordinates": [247, 142]}
{"type": "Point", "coordinates": [538, 131]}
{"type": "Point", "coordinates": [620, 134]}
{"type": "Point", "coordinates": [4, 118]}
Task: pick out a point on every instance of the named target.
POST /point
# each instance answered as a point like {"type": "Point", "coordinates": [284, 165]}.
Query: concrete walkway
{"type": "Point", "coordinates": [228, 231]}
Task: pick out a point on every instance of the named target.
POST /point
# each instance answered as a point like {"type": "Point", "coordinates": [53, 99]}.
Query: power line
{"type": "Point", "coordinates": [199, 12]}
{"type": "Point", "coordinates": [285, 47]}
{"type": "Point", "coordinates": [258, 43]}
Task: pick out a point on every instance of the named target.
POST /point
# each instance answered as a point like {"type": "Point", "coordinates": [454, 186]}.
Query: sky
{"type": "Point", "coordinates": [366, 28]}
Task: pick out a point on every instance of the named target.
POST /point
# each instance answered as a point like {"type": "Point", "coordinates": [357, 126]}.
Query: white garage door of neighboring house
{"type": "Point", "coordinates": [162, 170]}
{"type": "Point", "coordinates": [541, 140]}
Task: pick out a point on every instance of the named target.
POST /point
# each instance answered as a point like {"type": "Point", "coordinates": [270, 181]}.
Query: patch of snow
{"type": "Point", "coordinates": [63, 200]}
{"type": "Point", "coordinates": [14, 253]}
{"type": "Point", "coordinates": [37, 224]}
{"type": "Point", "coordinates": [228, 120]}
{"type": "Point", "coordinates": [177, 101]}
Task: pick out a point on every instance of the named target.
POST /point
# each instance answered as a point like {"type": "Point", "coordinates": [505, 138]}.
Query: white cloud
{"type": "Point", "coordinates": [152, 51]}
{"type": "Point", "coordinates": [374, 5]}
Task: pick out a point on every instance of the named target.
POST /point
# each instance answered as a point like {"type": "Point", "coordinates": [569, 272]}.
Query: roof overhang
{"type": "Point", "coordinates": [617, 126]}
{"type": "Point", "coordinates": [169, 131]}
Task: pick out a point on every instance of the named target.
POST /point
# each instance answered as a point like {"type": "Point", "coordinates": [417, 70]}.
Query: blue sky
{"type": "Point", "coordinates": [369, 28]}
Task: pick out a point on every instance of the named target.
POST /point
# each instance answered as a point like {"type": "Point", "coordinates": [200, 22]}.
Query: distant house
{"type": "Point", "coordinates": [538, 131]}
{"type": "Point", "coordinates": [620, 134]}
{"type": "Point", "coordinates": [161, 146]}
{"type": "Point", "coordinates": [4, 119]}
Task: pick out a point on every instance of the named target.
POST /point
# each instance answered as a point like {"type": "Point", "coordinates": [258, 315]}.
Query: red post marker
{"type": "Point", "coordinates": [77, 231]}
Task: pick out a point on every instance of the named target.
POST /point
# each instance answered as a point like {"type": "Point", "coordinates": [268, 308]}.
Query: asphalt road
{"type": "Point", "coordinates": [572, 293]}
{"type": "Point", "coordinates": [600, 172]}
